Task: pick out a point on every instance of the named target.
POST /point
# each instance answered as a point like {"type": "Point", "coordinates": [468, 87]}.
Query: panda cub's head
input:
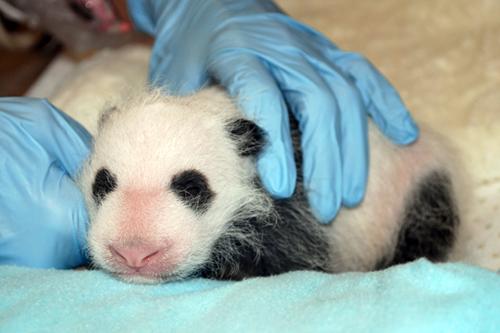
{"type": "Point", "coordinates": [166, 177]}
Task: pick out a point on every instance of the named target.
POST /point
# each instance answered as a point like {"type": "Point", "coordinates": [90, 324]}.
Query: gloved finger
{"type": "Point", "coordinates": [317, 111]}
{"type": "Point", "coordinates": [56, 242]}
{"type": "Point", "coordinates": [61, 137]}
{"type": "Point", "coordinates": [180, 72]}
{"type": "Point", "coordinates": [321, 153]}
{"type": "Point", "coordinates": [262, 101]}
{"type": "Point", "coordinates": [176, 64]}
{"type": "Point", "coordinates": [354, 143]}
{"type": "Point", "coordinates": [382, 101]}
{"type": "Point", "coordinates": [142, 15]}
{"type": "Point", "coordinates": [70, 219]}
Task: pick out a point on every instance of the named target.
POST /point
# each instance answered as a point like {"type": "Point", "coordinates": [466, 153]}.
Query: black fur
{"type": "Point", "coordinates": [286, 241]}
{"type": "Point", "coordinates": [104, 183]}
{"type": "Point", "coordinates": [106, 115]}
{"type": "Point", "coordinates": [248, 135]}
{"type": "Point", "coordinates": [276, 243]}
{"type": "Point", "coordinates": [192, 188]}
{"type": "Point", "coordinates": [429, 222]}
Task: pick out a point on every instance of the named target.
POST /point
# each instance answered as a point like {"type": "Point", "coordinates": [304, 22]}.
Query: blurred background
{"type": "Point", "coordinates": [33, 33]}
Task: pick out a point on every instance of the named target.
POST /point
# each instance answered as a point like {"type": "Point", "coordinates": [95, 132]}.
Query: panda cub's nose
{"type": "Point", "coordinates": [135, 256]}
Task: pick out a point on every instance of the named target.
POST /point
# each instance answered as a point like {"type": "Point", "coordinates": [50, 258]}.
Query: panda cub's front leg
{"type": "Point", "coordinates": [410, 209]}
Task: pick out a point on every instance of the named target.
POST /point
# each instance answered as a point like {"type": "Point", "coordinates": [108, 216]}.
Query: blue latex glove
{"type": "Point", "coordinates": [269, 61]}
{"type": "Point", "coordinates": [43, 220]}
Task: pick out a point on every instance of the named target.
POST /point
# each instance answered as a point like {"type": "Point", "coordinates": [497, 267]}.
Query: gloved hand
{"type": "Point", "coordinates": [272, 63]}
{"type": "Point", "coordinates": [43, 220]}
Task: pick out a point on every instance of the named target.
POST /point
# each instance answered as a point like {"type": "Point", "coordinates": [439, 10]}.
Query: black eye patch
{"type": "Point", "coordinates": [104, 183]}
{"type": "Point", "coordinates": [192, 188]}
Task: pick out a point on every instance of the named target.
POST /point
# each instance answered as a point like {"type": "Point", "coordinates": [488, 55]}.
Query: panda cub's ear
{"type": "Point", "coordinates": [106, 114]}
{"type": "Point", "coordinates": [249, 137]}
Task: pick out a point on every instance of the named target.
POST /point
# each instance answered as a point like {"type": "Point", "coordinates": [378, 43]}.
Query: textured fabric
{"type": "Point", "coordinates": [417, 297]}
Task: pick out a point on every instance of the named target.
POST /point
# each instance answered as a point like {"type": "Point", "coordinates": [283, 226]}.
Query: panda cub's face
{"type": "Point", "coordinates": [165, 178]}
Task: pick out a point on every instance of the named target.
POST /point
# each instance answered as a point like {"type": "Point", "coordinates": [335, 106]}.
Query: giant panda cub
{"type": "Point", "coordinates": [172, 192]}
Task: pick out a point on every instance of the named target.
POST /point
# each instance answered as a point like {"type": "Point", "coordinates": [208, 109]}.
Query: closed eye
{"type": "Point", "coordinates": [192, 188]}
{"type": "Point", "coordinates": [104, 183]}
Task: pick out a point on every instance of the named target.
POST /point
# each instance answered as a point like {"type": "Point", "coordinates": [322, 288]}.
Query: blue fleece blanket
{"type": "Point", "coordinates": [416, 297]}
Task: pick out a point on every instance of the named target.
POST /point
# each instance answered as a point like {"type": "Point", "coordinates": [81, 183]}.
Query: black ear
{"type": "Point", "coordinates": [106, 114]}
{"type": "Point", "coordinates": [249, 137]}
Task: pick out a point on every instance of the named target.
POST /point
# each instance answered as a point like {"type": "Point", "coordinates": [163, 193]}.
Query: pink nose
{"type": "Point", "coordinates": [135, 256]}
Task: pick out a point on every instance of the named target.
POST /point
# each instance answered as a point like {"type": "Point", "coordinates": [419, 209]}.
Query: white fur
{"type": "Point", "coordinates": [145, 142]}
{"type": "Point", "coordinates": [151, 137]}
{"type": "Point", "coordinates": [362, 235]}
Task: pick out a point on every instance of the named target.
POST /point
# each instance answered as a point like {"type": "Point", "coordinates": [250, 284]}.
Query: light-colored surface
{"type": "Point", "coordinates": [54, 77]}
{"type": "Point", "coordinates": [442, 55]}
{"type": "Point", "coordinates": [99, 80]}
{"type": "Point", "coordinates": [416, 297]}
